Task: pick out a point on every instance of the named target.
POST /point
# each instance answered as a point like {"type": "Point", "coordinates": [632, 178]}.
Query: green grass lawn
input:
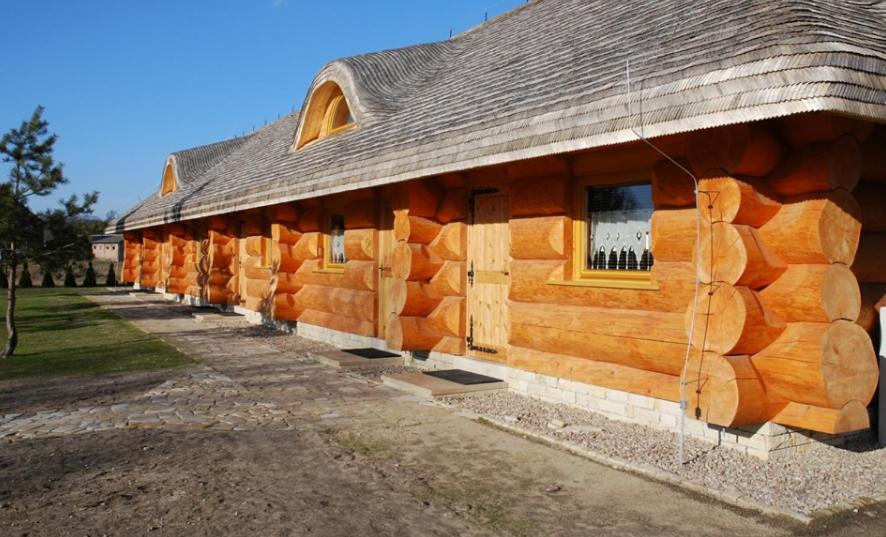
{"type": "Point", "coordinates": [63, 333]}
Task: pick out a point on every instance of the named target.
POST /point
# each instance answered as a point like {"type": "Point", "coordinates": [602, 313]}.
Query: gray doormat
{"type": "Point", "coordinates": [371, 354]}
{"type": "Point", "coordinates": [460, 376]}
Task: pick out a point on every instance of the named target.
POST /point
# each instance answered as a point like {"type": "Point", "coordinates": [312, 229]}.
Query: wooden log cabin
{"type": "Point", "coordinates": [505, 196]}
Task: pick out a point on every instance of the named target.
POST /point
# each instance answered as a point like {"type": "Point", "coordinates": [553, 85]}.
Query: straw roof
{"type": "Point", "coordinates": [549, 77]}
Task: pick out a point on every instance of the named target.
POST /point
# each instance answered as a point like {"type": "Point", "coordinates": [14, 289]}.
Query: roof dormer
{"type": "Point", "coordinates": [168, 184]}
{"type": "Point", "coordinates": [327, 113]}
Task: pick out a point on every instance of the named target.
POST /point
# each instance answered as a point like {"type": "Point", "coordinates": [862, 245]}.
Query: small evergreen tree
{"type": "Point", "coordinates": [111, 280]}
{"type": "Point", "coordinates": [25, 280]}
{"type": "Point", "coordinates": [47, 278]}
{"type": "Point", "coordinates": [70, 280]}
{"type": "Point", "coordinates": [89, 278]}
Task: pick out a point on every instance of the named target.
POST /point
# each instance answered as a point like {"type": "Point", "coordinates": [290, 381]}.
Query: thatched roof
{"type": "Point", "coordinates": [549, 77]}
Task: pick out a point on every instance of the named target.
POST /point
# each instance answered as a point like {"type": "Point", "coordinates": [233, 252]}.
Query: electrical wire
{"type": "Point", "coordinates": [684, 370]}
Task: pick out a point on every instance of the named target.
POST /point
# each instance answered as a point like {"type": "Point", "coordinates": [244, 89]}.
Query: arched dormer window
{"type": "Point", "coordinates": [168, 184]}
{"type": "Point", "coordinates": [327, 113]}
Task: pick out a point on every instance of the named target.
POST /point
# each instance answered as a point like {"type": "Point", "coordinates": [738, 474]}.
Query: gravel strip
{"type": "Point", "coordinates": [820, 478]}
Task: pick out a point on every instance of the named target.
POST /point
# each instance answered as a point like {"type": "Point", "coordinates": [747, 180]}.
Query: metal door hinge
{"type": "Point", "coordinates": [470, 340]}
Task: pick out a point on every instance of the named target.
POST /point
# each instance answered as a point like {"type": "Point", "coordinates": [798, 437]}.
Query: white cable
{"type": "Point", "coordinates": [683, 401]}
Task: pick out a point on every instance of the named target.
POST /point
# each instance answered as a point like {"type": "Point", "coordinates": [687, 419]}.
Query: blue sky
{"type": "Point", "coordinates": [126, 82]}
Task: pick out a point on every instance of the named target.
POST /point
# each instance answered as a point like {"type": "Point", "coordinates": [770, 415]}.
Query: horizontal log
{"type": "Point", "coordinates": [449, 280]}
{"type": "Point", "coordinates": [361, 213]}
{"type": "Point", "coordinates": [871, 199]}
{"type": "Point", "coordinates": [285, 234]}
{"type": "Point", "coordinates": [814, 293]}
{"type": "Point", "coordinates": [540, 197]}
{"type": "Point", "coordinates": [219, 277]}
{"type": "Point", "coordinates": [286, 308]}
{"type": "Point", "coordinates": [414, 262]}
{"type": "Point", "coordinates": [285, 212]}
{"type": "Point", "coordinates": [451, 180]}
{"type": "Point", "coordinates": [176, 286]}
{"type": "Point", "coordinates": [263, 305]}
{"type": "Point", "coordinates": [853, 416]}
{"type": "Point", "coordinates": [257, 272]}
{"type": "Point", "coordinates": [653, 341]}
{"type": "Point", "coordinates": [417, 229]}
{"type": "Point", "coordinates": [360, 244]}
{"type": "Point", "coordinates": [735, 254]}
{"type": "Point", "coordinates": [421, 197]}
{"type": "Point", "coordinates": [541, 281]}
{"type": "Point", "coordinates": [310, 220]}
{"type": "Point", "coordinates": [873, 158]}
{"type": "Point", "coordinates": [288, 283]}
{"type": "Point", "coordinates": [820, 364]}
{"type": "Point", "coordinates": [413, 299]}
{"type": "Point", "coordinates": [817, 228]}
{"type": "Point", "coordinates": [725, 390]}
{"type": "Point", "coordinates": [410, 334]}
{"type": "Point", "coordinates": [287, 258]}
{"type": "Point", "coordinates": [339, 301]}
{"type": "Point", "coordinates": [361, 275]}
{"type": "Point", "coordinates": [453, 206]}
{"type": "Point", "coordinates": [217, 295]}
{"type": "Point", "coordinates": [741, 149]}
{"type": "Point", "coordinates": [731, 320]}
{"type": "Point", "coordinates": [819, 168]}
{"type": "Point", "coordinates": [451, 242]}
{"type": "Point", "coordinates": [869, 265]}
{"type": "Point", "coordinates": [448, 318]}
{"type": "Point", "coordinates": [450, 345]}
{"type": "Point", "coordinates": [671, 185]}
{"type": "Point", "coordinates": [337, 322]}
{"type": "Point", "coordinates": [605, 374]}
{"type": "Point", "coordinates": [673, 234]}
{"type": "Point", "coordinates": [803, 129]}
{"type": "Point", "coordinates": [736, 201]}
{"type": "Point", "coordinates": [256, 288]}
{"type": "Point", "coordinates": [539, 238]}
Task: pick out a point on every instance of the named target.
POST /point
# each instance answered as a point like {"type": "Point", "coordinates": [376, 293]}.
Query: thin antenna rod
{"type": "Point", "coordinates": [683, 401]}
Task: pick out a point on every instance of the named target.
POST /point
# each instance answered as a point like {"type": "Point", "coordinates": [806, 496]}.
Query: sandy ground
{"type": "Point", "coordinates": [358, 460]}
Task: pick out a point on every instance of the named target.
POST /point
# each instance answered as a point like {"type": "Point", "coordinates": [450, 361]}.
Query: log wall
{"type": "Point", "coordinates": [790, 262]}
{"type": "Point", "coordinates": [340, 298]}
{"type": "Point", "coordinates": [428, 265]}
{"type": "Point", "coordinates": [132, 262]}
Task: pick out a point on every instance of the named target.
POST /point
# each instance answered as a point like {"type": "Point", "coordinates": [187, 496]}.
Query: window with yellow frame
{"type": "Point", "coordinates": [338, 116]}
{"type": "Point", "coordinates": [613, 234]}
{"type": "Point", "coordinates": [334, 257]}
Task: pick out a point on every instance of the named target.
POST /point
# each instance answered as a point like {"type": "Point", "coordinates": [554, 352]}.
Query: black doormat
{"type": "Point", "coordinates": [460, 376]}
{"type": "Point", "coordinates": [371, 353]}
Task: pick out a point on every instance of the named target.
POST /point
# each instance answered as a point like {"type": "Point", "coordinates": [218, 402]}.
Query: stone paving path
{"type": "Point", "coordinates": [241, 384]}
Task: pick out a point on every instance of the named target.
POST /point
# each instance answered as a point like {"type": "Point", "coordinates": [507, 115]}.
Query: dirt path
{"type": "Point", "coordinates": [259, 440]}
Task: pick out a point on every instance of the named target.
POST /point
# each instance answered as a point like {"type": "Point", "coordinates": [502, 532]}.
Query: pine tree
{"type": "Point", "coordinates": [25, 281]}
{"type": "Point", "coordinates": [27, 152]}
{"type": "Point", "coordinates": [70, 280]}
{"type": "Point", "coordinates": [47, 279]}
{"type": "Point", "coordinates": [89, 278]}
{"type": "Point", "coordinates": [111, 280]}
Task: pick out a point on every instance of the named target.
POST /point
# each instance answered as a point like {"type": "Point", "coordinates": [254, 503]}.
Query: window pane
{"type": "Point", "coordinates": [337, 239]}
{"type": "Point", "coordinates": [618, 228]}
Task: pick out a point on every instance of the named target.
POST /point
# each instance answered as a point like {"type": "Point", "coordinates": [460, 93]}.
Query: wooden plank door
{"type": "Point", "coordinates": [488, 276]}
{"type": "Point", "coordinates": [385, 278]}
